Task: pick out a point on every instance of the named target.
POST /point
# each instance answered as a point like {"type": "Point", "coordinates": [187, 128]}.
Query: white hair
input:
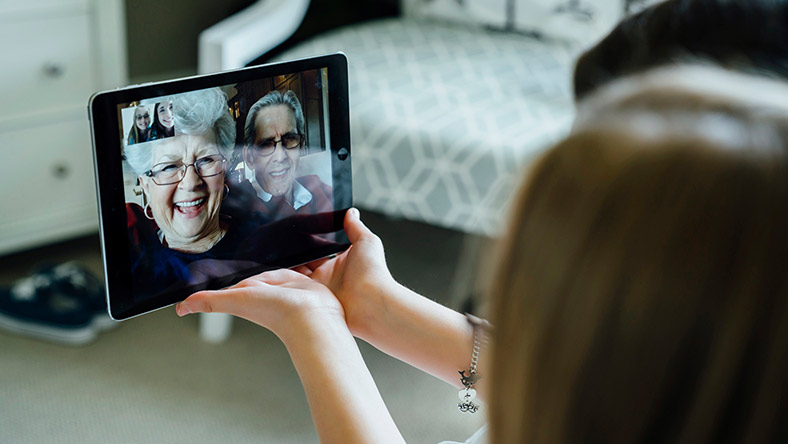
{"type": "Point", "coordinates": [275, 97]}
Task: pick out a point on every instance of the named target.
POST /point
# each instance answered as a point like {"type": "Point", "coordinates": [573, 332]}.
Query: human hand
{"type": "Point", "coordinates": [283, 301]}
{"type": "Point", "coordinates": [387, 315]}
{"type": "Point", "coordinates": [345, 403]}
{"type": "Point", "coordinates": [359, 277]}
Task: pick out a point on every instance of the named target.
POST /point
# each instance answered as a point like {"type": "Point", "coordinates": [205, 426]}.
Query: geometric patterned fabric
{"type": "Point", "coordinates": [445, 119]}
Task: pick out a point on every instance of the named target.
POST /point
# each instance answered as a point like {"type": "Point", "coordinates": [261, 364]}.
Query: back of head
{"type": "Point", "coordinates": [747, 35]}
{"type": "Point", "coordinates": [641, 296]}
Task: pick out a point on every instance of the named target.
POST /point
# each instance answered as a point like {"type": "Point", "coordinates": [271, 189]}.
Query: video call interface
{"type": "Point", "coordinates": [225, 180]}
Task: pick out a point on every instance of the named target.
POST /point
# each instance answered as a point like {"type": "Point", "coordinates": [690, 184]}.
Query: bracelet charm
{"type": "Point", "coordinates": [466, 405]}
{"type": "Point", "coordinates": [468, 394]}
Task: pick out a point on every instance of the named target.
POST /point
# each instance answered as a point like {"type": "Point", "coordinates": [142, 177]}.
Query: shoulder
{"type": "Point", "coordinates": [322, 195]}
{"type": "Point", "coordinates": [137, 223]}
{"type": "Point", "coordinates": [243, 187]}
{"type": "Point", "coordinates": [242, 202]}
{"type": "Point", "coordinates": [313, 183]}
{"type": "Point", "coordinates": [133, 212]}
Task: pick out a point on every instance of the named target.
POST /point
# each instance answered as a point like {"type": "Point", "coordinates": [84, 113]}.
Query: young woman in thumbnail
{"type": "Point", "coordinates": [163, 120]}
{"type": "Point", "coordinates": [140, 130]}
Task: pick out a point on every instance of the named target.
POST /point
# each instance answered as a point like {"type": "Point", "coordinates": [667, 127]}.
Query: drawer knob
{"type": "Point", "coordinates": [53, 70]}
{"type": "Point", "coordinates": [60, 171]}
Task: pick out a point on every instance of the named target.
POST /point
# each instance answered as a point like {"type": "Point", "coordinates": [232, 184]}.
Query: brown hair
{"type": "Point", "coordinates": [642, 292]}
{"type": "Point", "coordinates": [746, 35]}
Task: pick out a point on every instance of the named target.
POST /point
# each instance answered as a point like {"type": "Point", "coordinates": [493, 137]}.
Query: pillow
{"type": "Point", "coordinates": [488, 13]}
{"type": "Point", "coordinates": [578, 21]}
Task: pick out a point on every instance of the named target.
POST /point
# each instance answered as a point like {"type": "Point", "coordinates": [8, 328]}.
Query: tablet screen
{"type": "Point", "coordinates": [220, 182]}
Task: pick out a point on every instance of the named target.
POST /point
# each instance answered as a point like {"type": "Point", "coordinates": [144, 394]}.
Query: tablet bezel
{"type": "Point", "coordinates": [104, 118]}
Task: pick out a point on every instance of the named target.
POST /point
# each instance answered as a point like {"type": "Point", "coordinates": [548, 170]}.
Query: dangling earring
{"type": "Point", "coordinates": [145, 210]}
{"type": "Point", "coordinates": [226, 192]}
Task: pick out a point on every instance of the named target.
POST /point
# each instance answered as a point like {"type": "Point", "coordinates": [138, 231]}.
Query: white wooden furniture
{"type": "Point", "coordinates": [55, 54]}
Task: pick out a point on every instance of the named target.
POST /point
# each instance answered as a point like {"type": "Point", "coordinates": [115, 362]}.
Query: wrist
{"type": "Point", "coordinates": [375, 301]}
{"type": "Point", "coordinates": [304, 327]}
{"type": "Point", "coordinates": [343, 398]}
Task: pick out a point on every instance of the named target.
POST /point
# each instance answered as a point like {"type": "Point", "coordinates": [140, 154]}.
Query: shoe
{"type": "Point", "coordinates": [76, 279]}
{"type": "Point", "coordinates": [62, 304]}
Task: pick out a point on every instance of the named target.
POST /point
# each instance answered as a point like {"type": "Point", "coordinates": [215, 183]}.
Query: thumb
{"type": "Point", "coordinates": [219, 301]}
{"type": "Point", "coordinates": [354, 228]}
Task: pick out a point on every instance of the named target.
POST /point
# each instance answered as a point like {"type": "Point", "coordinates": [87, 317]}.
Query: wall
{"type": "Point", "coordinates": [162, 35]}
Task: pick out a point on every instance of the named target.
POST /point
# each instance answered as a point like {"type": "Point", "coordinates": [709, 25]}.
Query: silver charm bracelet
{"type": "Point", "coordinates": [468, 394]}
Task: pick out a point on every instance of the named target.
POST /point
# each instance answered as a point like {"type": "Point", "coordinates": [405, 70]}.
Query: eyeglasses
{"type": "Point", "coordinates": [289, 141]}
{"type": "Point", "coordinates": [168, 173]}
{"type": "Point", "coordinates": [143, 116]}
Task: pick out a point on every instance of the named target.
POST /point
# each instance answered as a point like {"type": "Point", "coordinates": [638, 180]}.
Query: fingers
{"type": "Point", "coordinates": [314, 265]}
{"type": "Point", "coordinates": [355, 229]}
{"type": "Point", "coordinates": [221, 301]}
{"type": "Point", "coordinates": [277, 277]}
{"type": "Point", "coordinates": [303, 269]}
{"type": "Point", "coordinates": [232, 299]}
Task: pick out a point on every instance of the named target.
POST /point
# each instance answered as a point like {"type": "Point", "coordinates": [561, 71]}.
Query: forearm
{"type": "Point", "coordinates": [345, 402]}
{"type": "Point", "coordinates": [421, 332]}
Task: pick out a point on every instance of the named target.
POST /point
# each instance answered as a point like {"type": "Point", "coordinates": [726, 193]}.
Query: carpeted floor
{"type": "Point", "coordinates": [153, 380]}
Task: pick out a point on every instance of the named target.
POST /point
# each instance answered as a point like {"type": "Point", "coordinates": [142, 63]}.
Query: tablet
{"type": "Point", "coordinates": [206, 180]}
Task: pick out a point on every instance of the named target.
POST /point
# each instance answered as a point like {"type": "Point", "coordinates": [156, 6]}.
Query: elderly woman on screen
{"type": "Point", "coordinates": [183, 178]}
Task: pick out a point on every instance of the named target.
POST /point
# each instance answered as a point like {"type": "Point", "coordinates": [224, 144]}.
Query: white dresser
{"type": "Point", "coordinates": [54, 54]}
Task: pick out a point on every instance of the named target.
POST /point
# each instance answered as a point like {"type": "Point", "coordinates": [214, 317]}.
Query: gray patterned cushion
{"type": "Point", "coordinates": [444, 118]}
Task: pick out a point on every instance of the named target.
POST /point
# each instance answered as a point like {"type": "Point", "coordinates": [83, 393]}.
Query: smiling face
{"type": "Point", "coordinates": [275, 173]}
{"type": "Point", "coordinates": [142, 118]}
{"type": "Point", "coordinates": [187, 212]}
{"type": "Point", "coordinates": [164, 110]}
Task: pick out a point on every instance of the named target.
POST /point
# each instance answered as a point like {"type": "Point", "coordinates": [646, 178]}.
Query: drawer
{"type": "Point", "coordinates": [49, 65]}
{"type": "Point", "coordinates": [47, 182]}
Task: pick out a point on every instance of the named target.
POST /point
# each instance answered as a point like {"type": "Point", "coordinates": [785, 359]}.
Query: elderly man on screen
{"type": "Point", "coordinates": [273, 139]}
